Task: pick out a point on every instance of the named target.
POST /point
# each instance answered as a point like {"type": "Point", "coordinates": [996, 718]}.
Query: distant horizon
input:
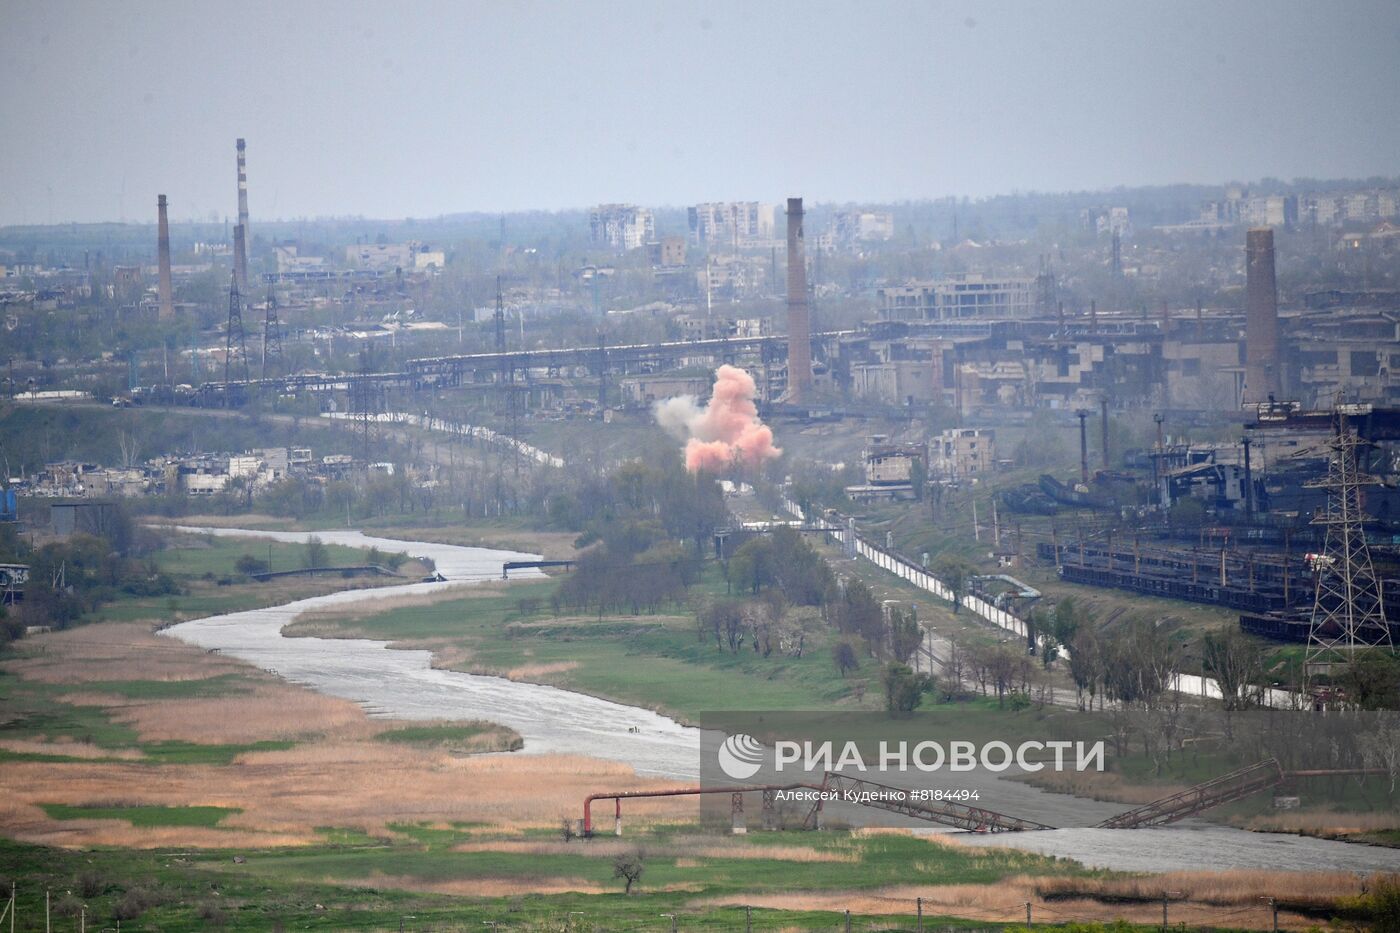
{"type": "Point", "coordinates": [231, 217]}
{"type": "Point", "coordinates": [443, 107]}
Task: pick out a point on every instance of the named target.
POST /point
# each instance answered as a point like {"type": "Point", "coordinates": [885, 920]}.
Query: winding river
{"type": "Point", "coordinates": [403, 684]}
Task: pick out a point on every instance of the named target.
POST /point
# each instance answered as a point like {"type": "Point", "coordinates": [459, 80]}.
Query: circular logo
{"type": "Point", "coordinates": [740, 756]}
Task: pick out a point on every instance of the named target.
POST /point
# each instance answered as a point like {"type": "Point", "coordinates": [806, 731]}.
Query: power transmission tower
{"type": "Point", "coordinates": [272, 335]}
{"type": "Point", "coordinates": [1348, 612]}
{"type": "Point", "coordinates": [365, 403]}
{"type": "Point", "coordinates": [500, 318]}
{"type": "Point", "coordinates": [235, 344]}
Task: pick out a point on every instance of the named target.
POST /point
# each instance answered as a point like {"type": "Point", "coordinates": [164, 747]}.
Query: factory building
{"type": "Point", "coordinates": [969, 295]}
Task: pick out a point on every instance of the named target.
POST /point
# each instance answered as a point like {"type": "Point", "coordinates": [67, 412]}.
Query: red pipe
{"type": "Point", "coordinates": [678, 792]}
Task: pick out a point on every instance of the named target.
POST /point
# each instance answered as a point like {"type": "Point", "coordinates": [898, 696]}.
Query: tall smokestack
{"type": "Point", "coordinates": [243, 212]}
{"type": "Point", "coordinates": [1261, 357]}
{"type": "Point", "coordinates": [167, 298]}
{"type": "Point", "coordinates": [798, 321]}
{"type": "Point", "coordinates": [240, 258]}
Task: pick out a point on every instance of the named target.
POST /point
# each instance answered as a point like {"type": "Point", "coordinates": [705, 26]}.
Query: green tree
{"type": "Point", "coordinates": [905, 634]}
{"type": "Point", "coordinates": [248, 565]}
{"type": "Point", "coordinates": [844, 656]}
{"type": "Point", "coordinates": [1372, 681]}
{"type": "Point", "coordinates": [752, 566]}
{"type": "Point", "coordinates": [857, 612]}
{"type": "Point", "coordinates": [904, 689]}
{"type": "Point", "coordinates": [956, 573]}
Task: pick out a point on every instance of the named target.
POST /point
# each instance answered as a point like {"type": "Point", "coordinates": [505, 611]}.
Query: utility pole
{"type": "Point", "coordinates": [1083, 415]}
{"type": "Point", "coordinates": [1157, 454]}
{"type": "Point", "coordinates": [1248, 481]}
{"type": "Point", "coordinates": [919, 907]}
{"type": "Point", "coordinates": [1028, 913]}
{"type": "Point", "coordinates": [1103, 428]}
{"type": "Point", "coordinates": [1165, 895]}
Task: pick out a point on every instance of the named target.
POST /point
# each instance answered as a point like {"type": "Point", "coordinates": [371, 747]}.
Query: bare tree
{"type": "Point", "coordinates": [316, 553]}
{"type": "Point", "coordinates": [1237, 666]}
{"type": "Point", "coordinates": [130, 448]}
{"type": "Point", "coordinates": [1381, 748]}
{"type": "Point", "coordinates": [629, 867]}
{"type": "Point", "coordinates": [843, 655]}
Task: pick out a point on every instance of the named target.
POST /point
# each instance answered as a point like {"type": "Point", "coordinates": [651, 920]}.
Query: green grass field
{"type": "Point", "coordinates": [35, 710]}
{"type": "Point", "coordinates": [207, 817]}
{"type": "Point", "coordinates": [652, 661]}
{"type": "Point", "coordinates": [204, 567]}
{"type": "Point", "coordinates": [334, 886]}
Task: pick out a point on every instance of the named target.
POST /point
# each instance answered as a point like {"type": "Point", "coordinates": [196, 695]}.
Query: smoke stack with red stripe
{"type": "Point", "coordinates": [242, 261]}
{"type": "Point", "coordinates": [166, 294]}
{"type": "Point", "coordinates": [798, 317]}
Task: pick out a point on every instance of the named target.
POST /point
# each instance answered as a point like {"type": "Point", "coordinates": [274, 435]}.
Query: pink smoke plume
{"type": "Point", "coordinates": [727, 431]}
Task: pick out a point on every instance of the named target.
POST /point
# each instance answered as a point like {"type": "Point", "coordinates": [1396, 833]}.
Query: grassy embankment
{"type": "Point", "coordinates": [439, 526]}
{"type": "Point", "coordinates": [457, 877]}
{"type": "Point", "coordinates": [654, 661]}
{"type": "Point", "coordinates": [204, 568]}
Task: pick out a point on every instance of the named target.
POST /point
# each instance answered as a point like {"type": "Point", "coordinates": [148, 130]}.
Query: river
{"type": "Point", "coordinates": [403, 684]}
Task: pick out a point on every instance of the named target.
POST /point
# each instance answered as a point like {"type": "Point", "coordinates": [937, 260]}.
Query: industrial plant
{"type": "Point", "coordinates": [667, 469]}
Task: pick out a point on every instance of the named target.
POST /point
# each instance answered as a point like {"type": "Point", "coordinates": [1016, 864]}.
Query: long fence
{"type": "Point", "coordinates": [912, 573]}
{"type": "Point", "coordinates": [473, 431]}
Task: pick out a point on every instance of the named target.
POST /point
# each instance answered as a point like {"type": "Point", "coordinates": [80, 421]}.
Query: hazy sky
{"type": "Point", "coordinates": [393, 109]}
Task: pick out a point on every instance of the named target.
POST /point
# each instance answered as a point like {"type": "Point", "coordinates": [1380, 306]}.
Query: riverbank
{"type": "Point", "coordinates": [658, 662]}
{"type": "Point", "coordinates": [438, 528]}
{"type": "Point", "coordinates": [408, 838]}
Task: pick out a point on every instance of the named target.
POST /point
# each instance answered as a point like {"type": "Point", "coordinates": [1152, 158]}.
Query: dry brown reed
{"type": "Point", "coordinates": [337, 775]}
{"type": "Point", "coordinates": [1006, 902]}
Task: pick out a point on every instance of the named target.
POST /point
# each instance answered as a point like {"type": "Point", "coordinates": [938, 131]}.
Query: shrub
{"type": "Point", "coordinates": [211, 914]}
{"type": "Point", "coordinates": [90, 884]}
{"type": "Point", "coordinates": [248, 565]}
{"type": "Point", "coordinates": [134, 902]}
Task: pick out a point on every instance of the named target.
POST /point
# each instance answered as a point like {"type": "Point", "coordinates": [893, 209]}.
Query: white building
{"type": "Point", "coordinates": [621, 226]}
{"type": "Point", "coordinates": [850, 228]}
{"type": "Point", "coordinates": [384, 257]}
{"type": "Point", "coordinates": [732, 277]}
{"type": "Point", "coordinates": [290, 260]}
{"type": "Point", "coordinates": [971, 294]}
{"type": "Point", "coordinates": [733, 224]}
{"type": "Point", "coordinates": [963, 453]}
